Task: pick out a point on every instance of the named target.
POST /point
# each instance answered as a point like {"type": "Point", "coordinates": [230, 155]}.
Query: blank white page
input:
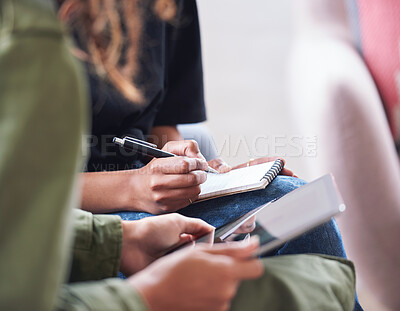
{"type": "Point", "coordinates": [240, 179]}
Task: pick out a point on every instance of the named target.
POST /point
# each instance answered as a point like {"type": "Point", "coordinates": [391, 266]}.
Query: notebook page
{"type": "Point", "coordinates": [242, 178]}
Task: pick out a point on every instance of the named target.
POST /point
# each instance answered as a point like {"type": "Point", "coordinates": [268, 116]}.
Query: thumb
{"type": "Point", "coordinates": [193, 226]}
{"type": "Point", "coordinates": [188, 148]}
{"type": "Point", "coordinates": [248, 269]}
{"type": "Point", "coordinates": [238, 250]}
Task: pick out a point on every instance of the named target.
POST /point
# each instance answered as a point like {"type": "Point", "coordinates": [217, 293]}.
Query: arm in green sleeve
{"type": "Point", "coordinates": [42, 116]}
{"type": "Point", "coordinates": [96, 255]}
{"type": "Point", "coordinates": [97, 246]}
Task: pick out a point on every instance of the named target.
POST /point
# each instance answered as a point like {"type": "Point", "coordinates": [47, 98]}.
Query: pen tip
{"type": "Point", "coordinates": [211, 170]}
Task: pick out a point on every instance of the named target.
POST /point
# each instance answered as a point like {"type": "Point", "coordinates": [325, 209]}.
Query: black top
{"type": "Point", "coordinates": [171, 79]}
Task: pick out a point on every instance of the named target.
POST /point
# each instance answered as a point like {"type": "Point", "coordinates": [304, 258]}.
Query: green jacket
{"type": "Point", "coordinates": [43, 102]}
{"type": "Point", "coordinates": [53, 256]}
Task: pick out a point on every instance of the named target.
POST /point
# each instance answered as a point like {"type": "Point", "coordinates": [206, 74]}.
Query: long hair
{"type": "Point", "coordinates": [111, 32]}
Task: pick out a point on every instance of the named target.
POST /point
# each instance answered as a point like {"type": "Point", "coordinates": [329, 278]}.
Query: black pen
{"type": "Point", "coordinates": [149, 149]}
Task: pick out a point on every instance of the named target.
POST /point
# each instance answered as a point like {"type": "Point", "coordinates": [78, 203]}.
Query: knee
{"type": "Point", "coordinates": [288, 181]}
{"type": "Point", "coordinates": [282, 185]}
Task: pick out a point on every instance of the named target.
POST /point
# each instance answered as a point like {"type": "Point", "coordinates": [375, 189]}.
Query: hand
{"type": "Point", "coordinates": [187, 148]}
{"type": "Point", "coordinates": [285, 171]}
{"type": "Point", "coordinates": [145, 240]}
{"type": "Point", "coordinates": [168, 184]}
{"type": "Point", "coordinates": [200, 278]}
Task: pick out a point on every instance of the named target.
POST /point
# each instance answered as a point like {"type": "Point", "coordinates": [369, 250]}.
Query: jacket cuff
{"type": "Point", "coordinates": [97, 246]}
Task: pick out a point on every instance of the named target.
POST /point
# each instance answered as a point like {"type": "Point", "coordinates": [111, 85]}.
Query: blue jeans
{"type": "Point", "coordinates": [325, 239]}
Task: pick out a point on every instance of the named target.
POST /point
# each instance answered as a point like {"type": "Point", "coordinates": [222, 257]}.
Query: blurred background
{"type": "Point", "coordinates": [245, 52]}
{"type": "Point", "coordinates": [317, 82]}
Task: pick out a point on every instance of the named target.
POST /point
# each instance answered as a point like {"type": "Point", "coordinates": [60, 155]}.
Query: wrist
{"type": "Point", "coordinates": [130, 247]}
{"type": "Point", "coordinates": [129, 191]}
{"type": "Point", "coordinates": [146, 286]}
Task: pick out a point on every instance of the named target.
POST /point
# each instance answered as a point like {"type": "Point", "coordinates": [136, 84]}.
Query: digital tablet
{"type": "Point", "coordinates": [289, 216]}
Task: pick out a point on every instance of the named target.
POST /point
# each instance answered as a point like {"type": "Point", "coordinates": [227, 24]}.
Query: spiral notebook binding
{"type": "Point", "coordinates": [274, 170]}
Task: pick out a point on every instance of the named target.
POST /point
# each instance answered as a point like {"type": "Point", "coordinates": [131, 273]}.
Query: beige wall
{"type": "Point", "coordinates": [245, 51]}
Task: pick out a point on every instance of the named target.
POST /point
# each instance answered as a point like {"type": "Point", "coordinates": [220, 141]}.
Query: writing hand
{"type": "Point", "coordinates": [168, 184]}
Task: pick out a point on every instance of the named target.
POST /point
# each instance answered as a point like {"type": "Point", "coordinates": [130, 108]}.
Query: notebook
{"type": "Point", "coordinates": [244, 179]}
{"type": "Point", "coordinates": [287, 217]}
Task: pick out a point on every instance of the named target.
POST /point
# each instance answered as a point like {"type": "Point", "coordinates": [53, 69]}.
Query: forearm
{"type": "Point", "coordinates": [163, 185]}
{"type": "Point", "coordinates": [104, 192]}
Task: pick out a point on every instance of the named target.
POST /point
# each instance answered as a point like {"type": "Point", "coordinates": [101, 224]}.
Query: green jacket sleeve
{"type": "Point", "coordinates": [43, 98]}
{"type": "Point", "coordinates": [96, 256]}
{"type": "Point", "coordinates": [41, 122]}
{"type": "Point", "coordinates": [97, 246]}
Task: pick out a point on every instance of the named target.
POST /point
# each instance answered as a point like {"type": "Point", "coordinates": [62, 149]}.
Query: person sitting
{"type": "Point", "coordinates": [143, 190]}
{"type": "Point", "coordinates": [44, 96]}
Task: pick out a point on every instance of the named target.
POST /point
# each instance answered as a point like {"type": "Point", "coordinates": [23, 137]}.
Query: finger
{"type": "Point", "coordinates": [188, 238]}
{"type": "Point", "coordinates": [248, 269]}
{"type": "Point", "coordinates": [247, 227]}
{"type": "Point", "coordinates": [287, 172]}
{"type": "Point", "coordinates": [259, 161]}
{"type": "Point", "coordinates": [265, 160]}
{"type": "Point", "coordinates": [237, 268]}
{"type": "Point", "coordinates": [193, 226]}
{"type": "Point", "coordinates": [177, 165]}
{"type": "Point", "coordinates": [189, 148]}
{"type": "Point", "coordinates": [237, 250]}
{"type": "Point", "coordinates": [192, 150]}
{"type": "Point", "coordinates": [220, 165]}
{"type": "Point", "coordinates": [184, 239]}
{"type": "Point", "coordinates": [175, 205]}
{"type": "Point", "coordinates": [170, 196]}
{"type": "Point", "coordinates": [176, 181]}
